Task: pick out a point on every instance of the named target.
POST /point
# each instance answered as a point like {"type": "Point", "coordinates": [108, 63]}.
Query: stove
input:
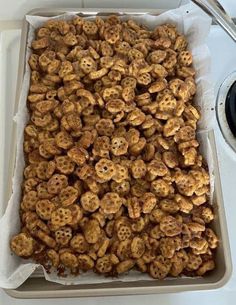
{"type": "Point", "coordinates": [223, 54]}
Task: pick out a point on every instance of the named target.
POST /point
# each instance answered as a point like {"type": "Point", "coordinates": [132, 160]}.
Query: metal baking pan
{"type": "Point", "coordinates": [37, 287]}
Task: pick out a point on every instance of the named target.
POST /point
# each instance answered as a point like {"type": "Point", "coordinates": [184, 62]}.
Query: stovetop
{"type": "Point", "coordinates": [223, 54]}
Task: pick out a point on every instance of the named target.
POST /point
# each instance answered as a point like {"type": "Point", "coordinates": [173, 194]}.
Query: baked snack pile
{"type": "Point", "coordinates": [114, 179]}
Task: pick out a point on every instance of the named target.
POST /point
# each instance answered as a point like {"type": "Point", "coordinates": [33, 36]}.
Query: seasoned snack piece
{"type": "Point", "coordinates": [90, 202]}
{"type": "Point", "coordinates": [132, 136]}
{"type": "Point", "coordinates": [179, 261]}
{"type": "Point", "coordinates": [170, 159]}
{"type": "Point", "coordinates": [64, 165]}
{"type": "Point", "coordinates": [170, 226]}
{"type": "Point", "coordinates": [125, 266]}
{"type": "Point", "coordinates": [121, 173]}
{"type": "Point", "coordinates": [156, 168]}
{"type": "Point", "coordinates": [184, 203]}
{"type": "Point", "coordinates": [134, 207]}
{"type": "Point", "coordinates": [124, 232]}
{"type": "Point", "coordinates": [167, 247]}
{"type": "Point", "coordinates": [160, 188]}
{"type": "Point", "coordinates": [136, 117]}
{"type": "Point", "coordinates": [29, 201]}
{"type": "Point", "coordinates": [45, 238]}
{"type": "Point", "coordinates": [85, 262]}
{"type": "Point", "coordinates": [105, 169]}
{"type": "Point", "coordinates": [43, 192]}
{"type": "Point", "coordinates": [137, 148]}
{"type": "Point", "coordinates": [51, 147]}
{"type": "Point", "coordinates": [22, 244]}
{"type": "Point", "coordinates": [119, 146]}
{"type": "Point", "coordinates": [158, 86]}
{"type": "Point", "coordinates": [169, 206]}
{"type": "Point", "coordinates": [92, 231]}
{"type": "Point", "coordinates": [149, 202]}
{"type": "Point", "coordinates": [87, 64]}
{"type": "Point", "coordinates": [76, 213]}
{"type": "Point", "coordinates": [63, 235]}
{"type": "Point", "coordinates": [105, 127]}
{"type": "Point", "coordinates": [53, 257]}
{"type": "Point", "coordinates": [211, 238]}
{"type": "Point", "coordinates": [123, 249]}
{"type": "Point", "coordinates": [159, 268]}
{"type": "Point", "coordinates": [45, 169]}
{"type": "Point", "coordinates": [44, 209]}
{"type": "Point", "coordinates": [79, 244]}
{"type": "Point", "coordinates": [185, 58]}
{"type": "Point", "coordinates": [112, 34]}
{"type": "Point", "coordinates": [115, 106]}
{"type": "Point", "coordinates": [113, 173]}
{"type": "Point", "coordinates": [207, 215]}
{"type": "Point", "coordinates": [56, 183]}
{"type": "Point", "coordinates": [64, 140]}
{"type": "Point", "coordinates": [138, 169]}
{"type": "Point", "coordinates": [69, 260]}
{"type": "Point", "coordinates": [68, 195]}
{"type": "Point", "coordinates": [137, 247]}
{"type": "Point", "coordinates": [61, 217]}
{"type": "Point", "coordinates": [101, 146]}
{"type": "Point", "coordinates": [78, 155]}
{"type": "Point", "coordinates": [90, 28]}
{"type": "Point", "coordinates": [103, 248]}
{"type": "Point", "coordinates": [194, 262]}
{"type": "Point", "coordinates": [186, 133]}
{"type": "Point", "coordinates": [156, 232]}
{"type": "Point", "coordinates": [185, 184]}
{"type": "Point", "coordinates": [104, 264]}
{"type": "Point", "coordinates": [110, 203]}
{"type": "Point", "coordinates": [205, 267]}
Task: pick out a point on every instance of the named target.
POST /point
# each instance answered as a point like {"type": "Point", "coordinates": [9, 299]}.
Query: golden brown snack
{"type": "Point", "coordinates": [68, 195]}
{"type": "Point", "coordinates": [113, 175]}
{"type": "Point", "coordinates": [78, 243]}
{"type": "Point", "coordinates": [22, 245]}
{"type": "Point", "coordinates": [160, 267]}
{"type": "Point", "coordinates": [110, 203]}
{"type": "Point", "coordinates": [104, 264]}
{"type": "Point", "coordinates": [92, 231]}
{"type": "Point", "coordinates": [44, 208]}
{"type": "Point", "coordinates": [90, 202]}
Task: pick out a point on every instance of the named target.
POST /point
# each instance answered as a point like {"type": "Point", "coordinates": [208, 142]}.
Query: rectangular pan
{"type": "Point", "coordinates": [37, 287]}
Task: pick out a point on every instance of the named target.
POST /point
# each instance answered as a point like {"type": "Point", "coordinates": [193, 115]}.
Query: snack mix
{"type": "Point", "coordinates": [114, 179]}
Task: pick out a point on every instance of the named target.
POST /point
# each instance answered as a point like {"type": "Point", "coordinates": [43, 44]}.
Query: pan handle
{"type": "Point", "coordinates": [215, 10]}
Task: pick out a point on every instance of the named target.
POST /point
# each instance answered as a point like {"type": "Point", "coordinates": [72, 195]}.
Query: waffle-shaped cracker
{"type": "Point", "coordinates": [90, 202]}
{"type": "Point", "coordinates": [61, 217]}
{"type": "Point", "coordinates": [56, 183]}
{"type": "Point", "coordinates": [22, 244]}
{"type": "Point", "coordinates": [63, 235]}
{"type": "Point", "coordinates": [170, 226]}
{"type": "Point", "coordinates": [44, 208]}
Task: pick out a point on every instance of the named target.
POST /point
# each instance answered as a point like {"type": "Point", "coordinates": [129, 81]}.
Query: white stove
{"type": "Point", "coordinates": [223, 53]}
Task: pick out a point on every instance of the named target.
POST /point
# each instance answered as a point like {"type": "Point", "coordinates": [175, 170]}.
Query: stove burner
{"type": "Point", "coordinates": [226, 110]}
{"type": "Point", "coordinates": [230, 108]}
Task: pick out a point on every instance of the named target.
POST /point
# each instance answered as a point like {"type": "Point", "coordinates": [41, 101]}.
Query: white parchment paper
{"type": "Point", "coordinates": [193, 23]}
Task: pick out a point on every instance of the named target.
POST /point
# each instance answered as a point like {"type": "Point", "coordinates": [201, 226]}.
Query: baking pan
{"type": "Point", "coordinates": [37, 287]}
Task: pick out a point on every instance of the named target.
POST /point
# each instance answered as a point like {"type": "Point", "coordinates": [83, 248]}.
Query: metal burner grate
{"type": "Point", "coordinates": [226, 110]}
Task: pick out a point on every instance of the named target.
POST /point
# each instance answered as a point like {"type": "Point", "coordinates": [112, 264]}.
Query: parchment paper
{"type": "Point", "coordinates": [193, 23]}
